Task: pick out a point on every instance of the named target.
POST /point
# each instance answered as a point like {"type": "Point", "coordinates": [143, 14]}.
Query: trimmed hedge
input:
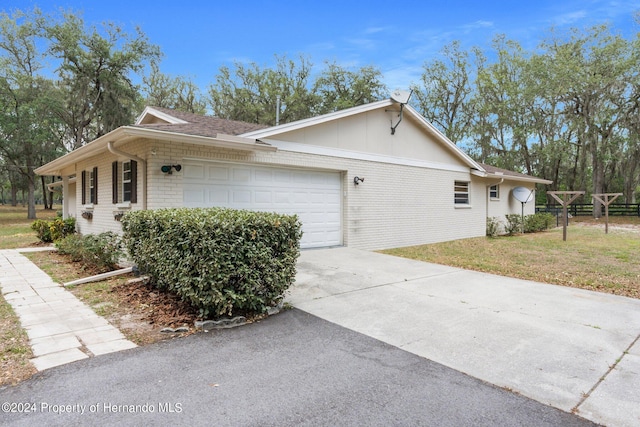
{"type": "Point", "coordinates": [218, 260]}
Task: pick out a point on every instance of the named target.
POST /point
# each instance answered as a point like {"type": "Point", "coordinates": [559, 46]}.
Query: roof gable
{"type": "Point", "coordinates": [165, 119]}
{"type": "Point", "coordinates": [367, 128]}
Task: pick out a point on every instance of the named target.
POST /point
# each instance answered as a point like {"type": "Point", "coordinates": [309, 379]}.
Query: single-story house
{"type": "Point", "coordinates": [372, 177]}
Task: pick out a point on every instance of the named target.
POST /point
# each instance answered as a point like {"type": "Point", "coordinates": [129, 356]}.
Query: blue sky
{"type": "Point", "coordinates": [198, 37]}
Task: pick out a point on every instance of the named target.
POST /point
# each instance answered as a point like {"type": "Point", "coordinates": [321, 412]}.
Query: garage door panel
{"type": "Point", "coordinates": [220, 174]}
{"type": "Point", "coordinates": [241, 176]}
{"type": "Point", "coordinates": [242, 196]}
{"type": "Point", "coordinates": [194, 195]}
{"type": "Point", "coordinates": [219, 195]}
{"type": "Point", "coordinates": [263, 197]}
{"type": "Point", "coordinates": [300, 178]}
{"type": "Point", "coordinates": [282, 176]}
{"type": "Point", "coordinates": [312, 195]}
{"type": "Point", "coordinates": [301, 198]}
{"type": "Point", "coordinates": [264, 176]}
{"type": "Point", "coordinates": [332, 218]}
{"type": "Point", "coordinates": [194, 172]}
{"type": "Point", "coordinates": [282, 197]}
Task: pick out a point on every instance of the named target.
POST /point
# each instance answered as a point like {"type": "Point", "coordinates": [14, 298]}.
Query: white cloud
{"type": "Point", "coordinates": [569, 18]}
{"type": "Point", "coordinates": [477, 25]}
{"type": "Point", "coordinates": [401, 76]}
{"type": "Point", "coordinates": [363, 43]}
{"type": "Point", "coordinates": [375, 30]}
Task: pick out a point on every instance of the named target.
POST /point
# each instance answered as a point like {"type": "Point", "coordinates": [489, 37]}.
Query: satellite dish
{"type": "Point", "coordinates": [523, 194]}
{"type": "Point", "coordinates": [401, 96]}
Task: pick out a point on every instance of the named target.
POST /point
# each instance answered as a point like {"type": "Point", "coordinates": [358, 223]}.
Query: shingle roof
{"type": "Point", "coordinates": [493, 170]}
{"type": "Point", "coordinates": [201, 125]}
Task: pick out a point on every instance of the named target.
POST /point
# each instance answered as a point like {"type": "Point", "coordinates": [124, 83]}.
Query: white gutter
{"type": "Point", "coordinates": [97, 146]}
{"type": "Point", "coordinates": [143, 164]}
{"type": "Point", "coordinates": [52, 185]}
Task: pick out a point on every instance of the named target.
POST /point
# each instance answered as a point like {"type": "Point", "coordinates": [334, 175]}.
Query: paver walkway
{"type": "Point", "coordinates": [60, 327]}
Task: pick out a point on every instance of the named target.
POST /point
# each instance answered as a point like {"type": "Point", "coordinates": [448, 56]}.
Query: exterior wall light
{"type": "Point", "coordinates": [168, 169]}
{"type": "Point", "coordinates": [357, 180]}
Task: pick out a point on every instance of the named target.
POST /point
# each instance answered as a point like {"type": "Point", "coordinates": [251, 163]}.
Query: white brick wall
{"type": "Point", "coordinates": [507, 204]}
{"type": "Point", "coordinates": [395, 205]}
{"type": "Point", "coordinates": [103, 211]}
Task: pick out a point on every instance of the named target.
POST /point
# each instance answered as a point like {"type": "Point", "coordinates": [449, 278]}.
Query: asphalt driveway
{"type": "Point", "coordinates": [292, 369]}
{"type": "Point", "coordinates": [573, 349]}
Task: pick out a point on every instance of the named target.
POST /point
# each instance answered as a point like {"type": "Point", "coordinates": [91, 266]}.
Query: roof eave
{"type": "Point", "coordinates": [95, 147]}
{"type": "Point", "coordinates": [125, 133]}
{"type": "Point", "coordinates": [529, 179]}
{"type": "Point", "coordinates": [220, 140]}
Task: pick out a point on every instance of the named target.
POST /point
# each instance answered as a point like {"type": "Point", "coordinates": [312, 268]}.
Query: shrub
{"type": "Point", "coordinates": [56, 229]}
{"type": "Point", "coordinates": [95, 251]}
{"type": "Point", "coordinates": [538, 222]}
{"type": "Point", "coordinates": [218, 260]}
{"type": "Point", "coordinates": [493, 226]}
{"type": "Point", "coordinates": [514, 224]}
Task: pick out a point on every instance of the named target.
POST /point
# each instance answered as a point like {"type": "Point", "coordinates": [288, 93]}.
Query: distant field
{"type": "Point", "coordinates": [15, 228]}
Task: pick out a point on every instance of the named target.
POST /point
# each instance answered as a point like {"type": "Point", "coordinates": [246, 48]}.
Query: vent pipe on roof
{"type": "Point", "coordinates": [277, 110]}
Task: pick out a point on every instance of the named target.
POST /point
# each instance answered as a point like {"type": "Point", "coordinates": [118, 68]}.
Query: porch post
{"type": "Point", "coordinates": [65, 197]}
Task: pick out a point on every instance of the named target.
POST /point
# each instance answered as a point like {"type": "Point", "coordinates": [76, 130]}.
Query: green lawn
{"type": "Point", "coordinates": [15, 228]}
{"type": "Point", "coordinates": [589, 259]}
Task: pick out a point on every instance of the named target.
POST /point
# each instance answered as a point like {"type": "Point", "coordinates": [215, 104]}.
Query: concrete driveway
{"type": "Point", "coordinates": [569, 348]}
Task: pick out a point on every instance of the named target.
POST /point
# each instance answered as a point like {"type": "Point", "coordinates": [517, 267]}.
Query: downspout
{"type": "Point", "coordinates": [143, 164]}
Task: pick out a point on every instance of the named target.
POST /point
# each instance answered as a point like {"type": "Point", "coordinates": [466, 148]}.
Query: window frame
{"type": "Point", "coordinates": [494, 194]}
{"type": "Point", "coordinates": [127, 193]}
{"type": "Point", "coordinates": [90, 187]}
{"type": "Point", "coordinates": [123, 189]}
{"type": "Point", "coordinates": [461, 193]}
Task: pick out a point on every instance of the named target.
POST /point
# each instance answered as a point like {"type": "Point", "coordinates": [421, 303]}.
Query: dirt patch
{"type": "Point", "coordinates": [143, 311]}
{"type": "Point", "coordinates": [133, 305]}
{"type": "Point", "coordinates": [622, 223]}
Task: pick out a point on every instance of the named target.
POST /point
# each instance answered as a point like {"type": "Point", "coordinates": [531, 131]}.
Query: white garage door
{"type": "Point", "coordinates": [313, 195]}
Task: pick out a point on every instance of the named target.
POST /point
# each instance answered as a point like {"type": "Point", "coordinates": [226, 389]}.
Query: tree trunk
{"type": "Point", "coordinates": [14, 195]}
{"type": "Point", "coordinates": [598, 186]}
{"type": "Point", "coordinates": [31, 198]}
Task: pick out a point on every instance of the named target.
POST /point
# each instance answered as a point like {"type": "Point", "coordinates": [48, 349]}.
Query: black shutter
{"type": "Point", "coordinates": [95, 185]}
{"type": "Point", "coordinates": [84, 187]}
{"type": "Point", "coordinates": [114, 182]}
{"type": "Point", "coordinates": [134, 181]}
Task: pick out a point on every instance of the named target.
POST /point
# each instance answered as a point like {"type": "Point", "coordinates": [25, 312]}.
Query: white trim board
{"type": "Point", "coordinates": [296, 147]}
